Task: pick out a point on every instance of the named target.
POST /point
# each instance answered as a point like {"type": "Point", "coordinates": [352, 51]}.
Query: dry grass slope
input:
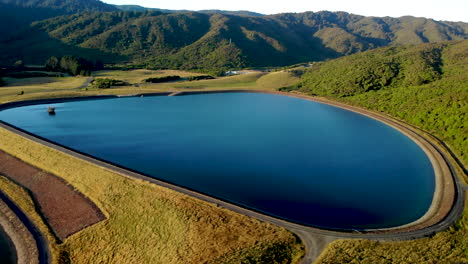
{"type": "Point", "coordinates": [41, 84]}
{"type": "Point", "coordinates": [138, 76]}
{"type": "Point", "coordinates": [277, 80]}
{"type": "Point", "coordinates": [446, 247]}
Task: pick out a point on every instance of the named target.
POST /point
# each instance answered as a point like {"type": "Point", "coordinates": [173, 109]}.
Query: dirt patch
{"type": "Point", "coordinates": [64, 209]}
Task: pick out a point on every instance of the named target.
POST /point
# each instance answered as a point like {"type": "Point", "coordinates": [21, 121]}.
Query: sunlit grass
{"type": "Point", "coordinates": [277, 80]}
{"type": "Point", "coordinates": [33, 85]}
{"type": "Point", "coordinates": [138, 76]}
{"type": "Point", "coordinates": [450, 246]}
{"type": "Point", "coordinates": [231, 82]}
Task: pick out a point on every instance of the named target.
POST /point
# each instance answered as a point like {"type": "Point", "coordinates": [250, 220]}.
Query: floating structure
{"type": "Point", "coordinates": [51, 110]}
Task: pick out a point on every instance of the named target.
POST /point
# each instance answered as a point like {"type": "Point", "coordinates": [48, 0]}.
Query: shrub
{"type": "Point", "coordinates": [73, 65]}
{"type": "Point", "coordinates": [162, 79]}
{"type": "Point", "coordinates": [106, 83]}
{"type": "Point", "coordinates": [200, 77]}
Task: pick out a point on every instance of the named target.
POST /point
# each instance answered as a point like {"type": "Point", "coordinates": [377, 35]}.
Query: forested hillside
{"type": "Point", "coordinates": [211, 11]}
{"type": "Point", "coordinates": [425, 85]}
{"type": "Point", "coordinates": [197, 40]}
{"type": "Point", "coordinates": [17, 14]}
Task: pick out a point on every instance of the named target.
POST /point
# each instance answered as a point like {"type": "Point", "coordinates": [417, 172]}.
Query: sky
{"type": "Point", "coordinates": [449, 10]}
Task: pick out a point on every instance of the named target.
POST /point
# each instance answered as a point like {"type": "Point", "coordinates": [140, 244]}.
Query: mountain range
{"type": "Point", "coordinates": [207, 39]}
{"type": "Point", "coordinates": [209, 11]}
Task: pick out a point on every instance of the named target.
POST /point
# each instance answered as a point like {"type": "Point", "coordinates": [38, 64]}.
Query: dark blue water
{"type": "Point", "coordinates": [303, 161]}
{"type": "Point", "coordinates": [7, 251]}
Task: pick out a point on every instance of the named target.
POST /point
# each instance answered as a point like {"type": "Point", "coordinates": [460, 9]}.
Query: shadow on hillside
{"type": "Point", "coordinates": [274, 44]}
{"type": "Point", "coordinates": [33, 46]}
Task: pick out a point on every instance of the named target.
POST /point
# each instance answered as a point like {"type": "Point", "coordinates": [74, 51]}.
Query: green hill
{"type": "Point", "coordinates": [210, 11]}
{"type": "Point", "coordinates": [17, 14]}
{"type": "Point", "coordinates": [425, 85]}
{"type": "Point", "coordinates": [198, 40]}
{"type": "Point", "coordinates": [65, 6]}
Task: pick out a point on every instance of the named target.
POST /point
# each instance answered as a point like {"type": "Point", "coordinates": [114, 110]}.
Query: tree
{"type": "Point", "coordinates": [53, 64]}
{"type": "Point", "coordinates": [75, 66]}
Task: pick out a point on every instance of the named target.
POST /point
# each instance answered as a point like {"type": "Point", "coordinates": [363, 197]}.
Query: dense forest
{"type": "Point", "coordinates": [73, 65]}
{"type": "Point", "coordinates": [210, 11]}
{"type": "Point", "coordinates": [425, 85]}
{"type": "Point", "coordinates": [198, 40]}
{"type": "Point", "coordinates": [18, 14]}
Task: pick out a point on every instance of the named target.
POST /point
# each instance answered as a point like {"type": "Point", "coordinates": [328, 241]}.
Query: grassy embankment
{"type": "Point", "coordinates": [425, 86]}
{"type": "Point", "coordinates": [257, 80]}
{"type": "Point", "coordinates": [13, 87]}
{"type": "Point", "coordinates": [448, 247]}
{"type": "Point", "coordinates": [147, 223]}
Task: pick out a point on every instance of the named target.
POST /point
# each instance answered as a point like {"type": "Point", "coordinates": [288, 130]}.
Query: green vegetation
{"type": "Point", "coordinates": [15, 15]}
{"type": "Point", "coordinates": [31, 86]}
{"type": "Point", "coordinates": [163, 79]}
{"type": "Point", "coordinates": [450, 246]}
{"type": "Point", "coordinates": [28, 74]}
{"type": "Point", "coordinates": [139, 76]}
{"type": "Point", "coordinates": [72, 65]}
{"type": "Point", "coordinates": [67, 6]}
{"type": "Point", "coordinates": [200, 77]}
{"type": "Point", "coordinates": [245, 81]}
{"type": "Point", "coordinates": [274, 253]}
{"type": "Point", "coordinates": [148, 223]}
{"type": "Point", "coordinates": [280, 79]}
{"type": "Point", "coordinates": [424, 85]}
{"type": "Point", "coordinates": [106, 83]}
{"type": "Point", "coordinates": [211, 11]}
{"type": "Point", "coordinates": [214, 41]}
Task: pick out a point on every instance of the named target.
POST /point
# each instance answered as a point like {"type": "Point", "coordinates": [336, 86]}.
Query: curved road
{"type": "Point", "coordinates": [41, 242]}
{"type": "Point", "coordinates": [314, 239]}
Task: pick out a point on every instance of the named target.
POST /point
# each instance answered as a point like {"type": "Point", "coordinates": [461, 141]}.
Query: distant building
{"type": "Point", "coordinates": [230, 73]}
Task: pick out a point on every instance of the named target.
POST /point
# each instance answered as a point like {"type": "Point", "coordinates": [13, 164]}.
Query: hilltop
{"type": "Point", "coordinates": [17, 14]}
{"type": "Point", "coordinates": [199, 40]}
{"type": "Point", "coordinates": [210, 11]}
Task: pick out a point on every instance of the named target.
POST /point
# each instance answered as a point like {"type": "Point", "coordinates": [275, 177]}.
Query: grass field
{"type": "Point", "coordinates": [66, 86]}
{"type": "Point", "coordinates": [29, 85]}
{"type": "Point", "coordinates": [277, 80]}
{"type": "Point", "coordinates": [138, 76]}
{"type": "Point", "coordinates": [447, 247]}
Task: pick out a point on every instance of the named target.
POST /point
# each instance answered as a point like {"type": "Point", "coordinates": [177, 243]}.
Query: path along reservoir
{"type": "Point", "coordinates": [295, 159]}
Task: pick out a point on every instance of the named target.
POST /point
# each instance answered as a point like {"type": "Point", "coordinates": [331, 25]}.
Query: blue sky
{"type": "Point", "coordinates": [451, 10]}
